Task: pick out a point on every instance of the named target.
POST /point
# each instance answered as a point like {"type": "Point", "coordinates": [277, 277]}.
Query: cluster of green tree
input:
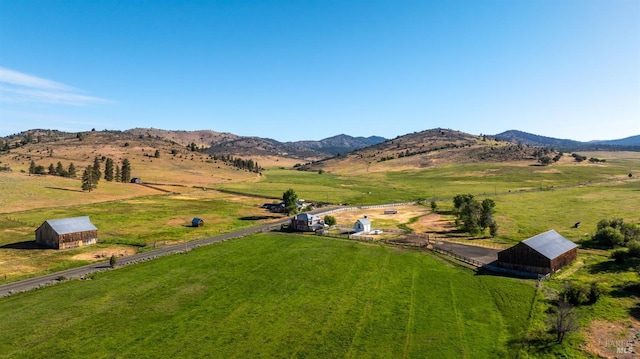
{"type": "Point", "coordinates": [408, 153]}
{"type": "Point", "coordinates": [247, 165]}
{"type": "Point", "coordinates": [614, 233]}
{"type": "Point", "coordinates": [581, 293]}
{"type": "Point", "coordinates": [27, 138]}
{"type": "Point", "coordinates": [193, 147]}
{"type": "Point", "coordinates": [596, 160]}
{"type": "Point", "coordinates": [290, 199]}
{"type": "Point", "coordinates": [330, 220]}
{"type": "Point", "coordinates": [58, 170]}
{"type": "Point", "coordinates": [563, 318]}
{"type": "Point", "coordinates": [156, 154]}
{"type": "Point", "coordinates": [541, 152]}
{"type": "Point", "coordinates": [92, 174]}
{"type": "Point", "coordinates": [473, 216]}
{"type": "Point", "coordinates": [544, 158]}
{"type": "Point", "coordinates": [578, 158]}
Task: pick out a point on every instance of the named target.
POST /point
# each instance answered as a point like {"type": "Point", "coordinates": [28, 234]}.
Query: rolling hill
{"type": "Point", "coordinates": [338, 153]}
{"type": "Point", "coordinates": [426, 149]}
{"type": "Point", "coordinates": [626, 144]}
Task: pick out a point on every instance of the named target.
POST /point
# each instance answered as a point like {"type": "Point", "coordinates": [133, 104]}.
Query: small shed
{"type": "Point", "coordinates": [67, 233]}
{"type": "Point", "coordinates": [197, 222]}
{"type": "Point", "coordinates": [544, 253]}
{"type": "Point", "coordinates": [363, 225]}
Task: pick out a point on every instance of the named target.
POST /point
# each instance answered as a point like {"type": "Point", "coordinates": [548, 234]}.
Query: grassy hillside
{"type": "Point", "coordinates": [273, 296]}
{"type": "Point", "coordinates": [175, 164]}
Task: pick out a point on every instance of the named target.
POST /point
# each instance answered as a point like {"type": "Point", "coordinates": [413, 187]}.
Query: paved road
{"type": "Point", "coordinates": [49, 279]}
{"type": "Point", "coordinates": [79, 272]}
{"type": "Point", "coordinates": [481, 254]}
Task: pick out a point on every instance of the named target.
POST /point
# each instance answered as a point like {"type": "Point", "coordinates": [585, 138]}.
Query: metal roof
{"type": "Point", "coordinates": [364, 221]}
{"type": "Point", "coordinates": [307, 217]}
{"type": "Point", "coordinates": [71, 225]}
{"type": "Point", "coordinates": [550, 244]}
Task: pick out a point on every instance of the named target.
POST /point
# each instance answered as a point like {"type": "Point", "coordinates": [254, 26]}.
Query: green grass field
{"type": "Point", "coordinates": [441, 182]}
{"type": "Point", "coordinates": [136, 223]}
{"type": "Point", "coordinates": [296, 296]}
{"type": "Point", "coordinates": [274, 296]}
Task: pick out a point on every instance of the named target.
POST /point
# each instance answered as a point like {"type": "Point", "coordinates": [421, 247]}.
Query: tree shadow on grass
{"type": "Point", "coordinates": [66, 189]}
{"type": "Point", "coordinates": [592, 244]}
{"type": "Point", "coordinates": [635, 311]}
{"type": "Point", "coordinates": [26, 245]}
{"type": "Point", "coordinates": [611, 266]}
{"type": "Point", "coordinates": [626, 290]}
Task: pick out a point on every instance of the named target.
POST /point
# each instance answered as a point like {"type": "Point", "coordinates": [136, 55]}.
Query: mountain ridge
{"type": "Point", "coordinates": [308, 151]}
{"type": "Point", "coordinates": [631, 143]}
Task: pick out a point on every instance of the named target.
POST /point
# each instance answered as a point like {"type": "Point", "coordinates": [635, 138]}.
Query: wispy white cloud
{"type": "Point", "coordinates": [18, 87]}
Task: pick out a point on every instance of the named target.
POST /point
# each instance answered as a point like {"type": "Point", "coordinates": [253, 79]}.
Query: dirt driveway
{"type": "Point", "coordinates": [481, 254]}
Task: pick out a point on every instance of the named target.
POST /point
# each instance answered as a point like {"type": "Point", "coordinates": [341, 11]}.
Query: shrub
{"type": "Point", "coordinates": [575, 293]}
{"type": "Point", "coordinates": [633, 249]}
{"type": "Point", "coordinates": [595, 292]}
{"type": "Point", "coordinates": [609, 236]}
{"type": "Point", "coordinates": [619, 255]}
{"type": "Point", "coordinates": [330, 220]}
{"type": "Point", "coordinates": [113, 261]}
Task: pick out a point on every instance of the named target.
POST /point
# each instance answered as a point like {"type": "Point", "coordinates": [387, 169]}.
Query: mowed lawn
{"type": "Point", "coordinates": [273, 295]}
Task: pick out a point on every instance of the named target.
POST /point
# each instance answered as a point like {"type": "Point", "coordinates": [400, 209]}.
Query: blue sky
{"type": "Point", "coordinates": [307, 70]}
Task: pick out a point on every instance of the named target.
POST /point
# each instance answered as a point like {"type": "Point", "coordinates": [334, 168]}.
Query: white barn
{"type": "Point", "coordinates": [363, 225]}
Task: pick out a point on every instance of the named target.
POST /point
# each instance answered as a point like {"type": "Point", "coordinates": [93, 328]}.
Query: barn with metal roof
{"type": "Point", "coordinates": [544, 253]}
{"type": "Point", "coordinates": [67, 233]}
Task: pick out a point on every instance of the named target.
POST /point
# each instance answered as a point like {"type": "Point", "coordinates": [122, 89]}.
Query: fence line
{"type": "Point", "coordinates": [471, 261]}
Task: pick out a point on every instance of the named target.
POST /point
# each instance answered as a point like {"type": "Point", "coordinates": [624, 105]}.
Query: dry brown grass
{"type": "Point", "coordinates": [22, 192]}
{"type": "Point", "coordinates": [185, 167]}
{"type": "Point", "coordinates": [102, 254]}
{"type": "Point", "coordinates": [379, 220]}
{"type": "Point", "coordinates": [613, 340]}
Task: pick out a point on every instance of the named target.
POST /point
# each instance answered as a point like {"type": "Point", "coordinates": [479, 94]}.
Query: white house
{"type": "Point", "coordinates": [363, 225]}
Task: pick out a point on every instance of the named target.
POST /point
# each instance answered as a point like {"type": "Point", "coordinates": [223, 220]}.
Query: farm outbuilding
{"type": "Point", "coordinates": [545, 253]}
{"type": "Point", "coordinates": [67, 233]}
{"type": "Point", "coordinates": [197, 222]}
{"type": "Point", "coordinates": [363, 225]}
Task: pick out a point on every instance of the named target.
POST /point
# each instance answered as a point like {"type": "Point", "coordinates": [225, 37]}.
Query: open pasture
{"type": "Point", "coordinates": [274, 295]}
{"type": "Point", "coordinates": [441, 182]}
{"type": "Point", "coordinates": [137, 223]}
{"type": "Point", "coordinates": [22, 192]}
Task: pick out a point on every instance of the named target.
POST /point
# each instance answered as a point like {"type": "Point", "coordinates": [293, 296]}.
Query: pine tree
{"type": "Point", "coordinates": [72, 170]}
{"type": "Point", "coordinates": [125, 172]}
{"type": "Point", "coordinates": [118, 177]}
{"type": "Point", "coordinates": [96, 169]}
{"type": "Point", "coordinates": [60, 171]}
{"type": "Point", "coordinates": [32, 167]}
{"type": "Point", "coordinates": [108, 170]}
{"type": "Point", "coordinates": [88, 179]}
{"type": "Point", "coordinates": [52, 170]}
